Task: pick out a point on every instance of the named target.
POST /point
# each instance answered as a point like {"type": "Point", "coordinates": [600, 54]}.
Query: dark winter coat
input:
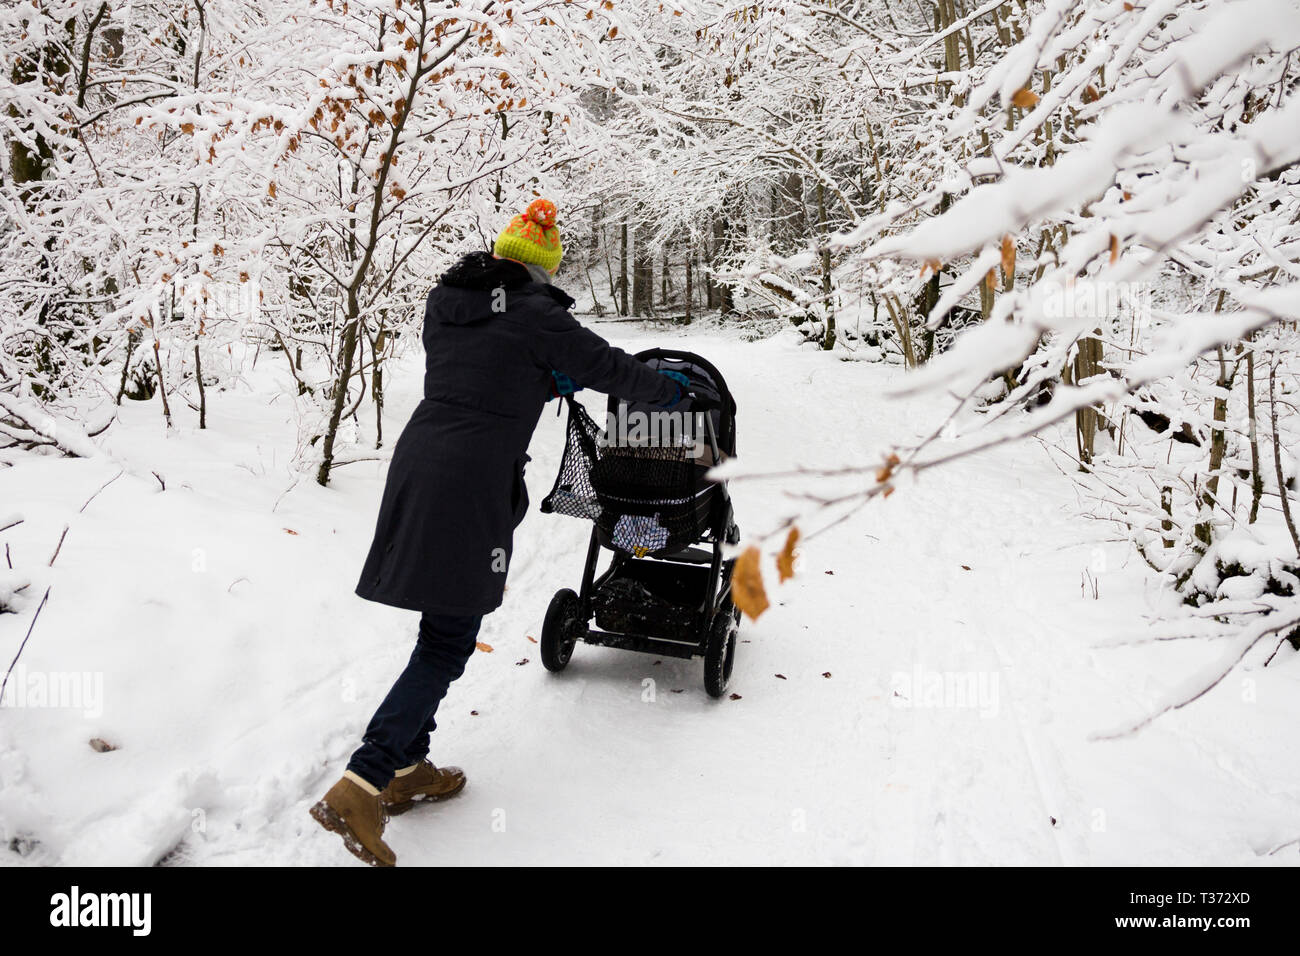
{"type": "Point", "coordinates": [455, 489]}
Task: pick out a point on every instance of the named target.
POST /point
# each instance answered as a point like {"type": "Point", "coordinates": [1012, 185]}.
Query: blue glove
{"type": "Point", "coordinates": [682, 383]}
{"type": "Point", "coordinates": [561, 384]}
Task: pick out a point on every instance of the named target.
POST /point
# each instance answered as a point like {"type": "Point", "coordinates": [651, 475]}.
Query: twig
{"type": "Point", "coordinates": [292, 485]}
{"type": "Point", "coordinates": [1285, 638]}
{"type": "Point", "coordinates": [58, 547]}
{"type": "Point", "coordinates": [96, 494]}
{"type": "Point", "coordinates": [1283, 846]}
{"type": "Point", "coordinates": [160, 480]}
{"type": "Point", "coordinates": [12, 524]}
{"type": "Point", "coordinates": [352, 461]}
{"type": "Point", "coordinates": [1216, 673]}
{"type": "Point", "coordinates": [30, 627]}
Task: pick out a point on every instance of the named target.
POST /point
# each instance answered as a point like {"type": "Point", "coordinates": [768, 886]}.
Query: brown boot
{"type": "Point", "coordinates": [421, 782]}
{"type": "Point", "coordinates": [352, 809]}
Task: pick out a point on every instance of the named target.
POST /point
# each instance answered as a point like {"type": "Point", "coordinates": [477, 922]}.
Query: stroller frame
{"type": "Point", "coordinates": [709, 622]}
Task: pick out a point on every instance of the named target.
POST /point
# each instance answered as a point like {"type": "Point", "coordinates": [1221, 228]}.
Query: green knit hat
{"type": "Point", "coordinates": [532, 237]}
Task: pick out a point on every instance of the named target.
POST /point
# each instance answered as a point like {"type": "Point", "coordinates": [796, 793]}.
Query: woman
{"type": "Point", "coordinates": [499, 342]}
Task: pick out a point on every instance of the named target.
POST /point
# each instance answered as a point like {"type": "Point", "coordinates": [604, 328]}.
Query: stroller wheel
{"type": "Point", "coordinates": [720, 651]}
{"type": "Point", "coordinates": [560, 630]}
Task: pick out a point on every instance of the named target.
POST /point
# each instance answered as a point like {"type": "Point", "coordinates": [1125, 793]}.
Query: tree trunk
{"type": "Point", "coordinates": [1256, 479]}
{"type": "Point", "coordinates": [347, 357]}
{"type": "Point", "coordinates": [1283, 492]}
{"type": "Point", "coordinates": [823, 239]}
{"type": "Point", "coordinates": [1167, 523]}
{"type": "Point", "coordinates": [622, 271]}
{"type": "Point", "coordinates": [132, 340]}
{"type": "Point", "coordinates": [1218, 444]}
{"type": "Point", "coordinates": [689, 290]}
{"type": "Point", "coordinates": [203, 395]}
{"type": "Point", "coordinates": [722, 296]}
{"type": "Point", "coordinates": [663, 279]}
{"type": "Point", "coordinates": [643, 273]}
{"type": "Point", "coordinates": [1087, 363]}
{"type": "Point", "coordinates": [377, 384]}
{"type": "Point", "coordinates": [162, 385]}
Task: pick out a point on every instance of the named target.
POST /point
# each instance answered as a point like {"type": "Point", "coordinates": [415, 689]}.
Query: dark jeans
{"type": "Point", "coordinates": [398, 735]}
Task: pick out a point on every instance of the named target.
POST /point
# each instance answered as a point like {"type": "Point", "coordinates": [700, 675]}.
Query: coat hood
{"type": "Point", "coordinates": [464, 294]}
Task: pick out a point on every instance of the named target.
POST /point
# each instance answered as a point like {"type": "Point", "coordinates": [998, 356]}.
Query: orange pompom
{"type": "Point", "coordinates": [542, 212]}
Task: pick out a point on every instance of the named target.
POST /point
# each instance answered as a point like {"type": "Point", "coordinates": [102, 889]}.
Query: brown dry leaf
{"type": "Point", "coordinates": [735, 697]}
{"type": "Point", "coordinates": [785, 560]}
{"type": "Point", "coordinates": [781, 676]}
{"type": "Point", "coordinates": [100, 745]}
{"type": "Point", "coordinates": [991, 280]}
{"type": "Point", "coordinates": [889, 490]}
{"type": "Point", "coordinates": [1114, 249]}
{"type": "Point", "coordinates": [533, 639]}
{"type": "Point", "coordinates": [485, 648]}
{"type": "Point", "coordinates": [270, 190]}
{"type": "Point", "coordinates": [886, 472]}
{"type": "Point", "coordinates": [826, 673]}
{"type": "Point", "coordinates": [1090, 94]}
{"type": "Point", "coordinates": [290, 531]}
{"type": "Point", "coordinates": [1024, 97]}
{"type": "Point", "coordinates": [930, 265]}
{"type": "Point", "coordinates": [1008, 256]}
{"type": "Point", "coordinates": [747, 584]}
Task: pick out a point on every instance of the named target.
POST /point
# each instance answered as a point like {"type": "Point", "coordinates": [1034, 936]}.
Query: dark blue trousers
{"type": "Point", "coordinates": [398, 734]}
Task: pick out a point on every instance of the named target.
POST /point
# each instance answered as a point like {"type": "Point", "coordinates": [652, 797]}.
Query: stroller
{"type": "Point", "coordinates": [644, 489]}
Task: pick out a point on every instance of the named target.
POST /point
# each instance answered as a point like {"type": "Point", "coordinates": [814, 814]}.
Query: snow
{"type": "Point", "coordinates": [943, 673]}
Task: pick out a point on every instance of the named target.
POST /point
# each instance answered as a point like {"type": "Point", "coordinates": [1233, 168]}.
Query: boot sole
{"type": "Point", "coordinates": [397, 809]}
{"type": "Point", "coordinates": [327, 817]}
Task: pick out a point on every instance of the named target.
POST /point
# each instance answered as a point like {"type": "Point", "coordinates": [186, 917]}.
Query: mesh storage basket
{"type": "Point", "coordinates": [642, 498]}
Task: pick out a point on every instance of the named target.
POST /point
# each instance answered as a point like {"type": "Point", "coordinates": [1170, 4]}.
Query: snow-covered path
{"type": "Point", "coordinates": [922, 692]}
